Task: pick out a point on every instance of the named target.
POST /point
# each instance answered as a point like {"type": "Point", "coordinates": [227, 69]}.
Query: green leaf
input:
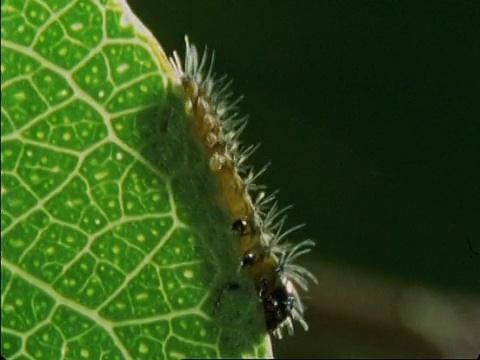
{"type": "Point", "coordinates": [114, 244]}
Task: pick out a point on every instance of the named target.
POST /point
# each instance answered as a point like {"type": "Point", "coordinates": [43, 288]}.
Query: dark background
{"type": "Point", "coordinates": [370, 114]}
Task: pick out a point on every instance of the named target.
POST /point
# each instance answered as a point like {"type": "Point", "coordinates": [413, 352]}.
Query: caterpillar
{"type": "Point", "coordinates": [256, 217]}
